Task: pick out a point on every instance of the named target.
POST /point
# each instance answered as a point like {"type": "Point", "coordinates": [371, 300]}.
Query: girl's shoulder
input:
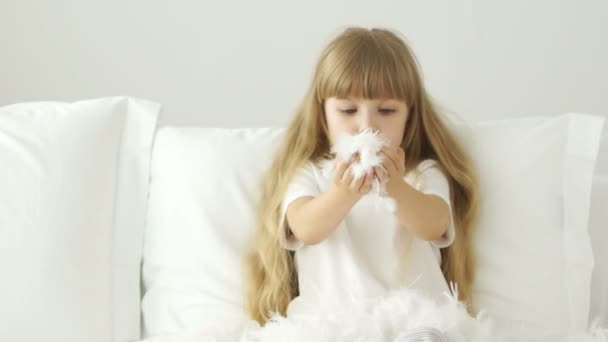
{"type": "Point", "coordinates": [418, 176]}
{"type": "Point", "coordinates": [310, 170]}
{"type": "Point", "coordinates": [426, 164]}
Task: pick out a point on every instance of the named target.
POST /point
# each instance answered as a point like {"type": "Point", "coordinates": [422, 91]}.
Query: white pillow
{"type": "Point", "coordinates": [532, 246]}
{"type": "Point", "coordinates": [205, 184]}
{"type": "Point", "coordinates": [74, 180]}
{"type": "Point", "coordinates": [598, 229]}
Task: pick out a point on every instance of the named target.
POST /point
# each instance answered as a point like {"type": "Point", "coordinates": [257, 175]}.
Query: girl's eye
{"type": "Point", "coordinates": [384, 111]}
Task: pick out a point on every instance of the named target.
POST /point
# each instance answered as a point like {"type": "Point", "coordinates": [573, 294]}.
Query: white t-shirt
{"type": "Point", "coordinates": [369, 254]}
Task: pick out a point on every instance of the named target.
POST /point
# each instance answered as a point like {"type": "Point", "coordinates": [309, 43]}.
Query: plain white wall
{"type": "Point", "coordinates": [247, 63]}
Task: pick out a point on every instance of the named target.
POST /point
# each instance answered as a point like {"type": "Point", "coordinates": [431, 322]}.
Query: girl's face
{"type": "Point", "coordinates": [353, 116]}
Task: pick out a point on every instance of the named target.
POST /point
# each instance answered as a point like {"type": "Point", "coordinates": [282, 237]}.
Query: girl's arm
{"type": "Point", "coordinates": [427, 216]}
{"type": "Point", "coordinates": [312, 219]}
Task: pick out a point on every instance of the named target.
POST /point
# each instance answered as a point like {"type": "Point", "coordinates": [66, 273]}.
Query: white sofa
{"type": "Point", "coordinates": [92, 191]}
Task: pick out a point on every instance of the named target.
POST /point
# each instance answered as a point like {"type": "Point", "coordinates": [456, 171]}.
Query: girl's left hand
{"type": "Point", "coordinates": [393, 161]}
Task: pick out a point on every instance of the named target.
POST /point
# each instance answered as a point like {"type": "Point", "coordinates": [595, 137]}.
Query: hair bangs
{"type": "Point", "coordinates": [366, 71]}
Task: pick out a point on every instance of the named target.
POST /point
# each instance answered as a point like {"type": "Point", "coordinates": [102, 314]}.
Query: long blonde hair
{"type": "Point", "coordinates": [363, 63]}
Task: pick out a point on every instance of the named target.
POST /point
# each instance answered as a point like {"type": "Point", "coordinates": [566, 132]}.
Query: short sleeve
{"type": "Point", "coordinates": [303, 184]}
{"type": "Point", "coordinates": [435, 182]}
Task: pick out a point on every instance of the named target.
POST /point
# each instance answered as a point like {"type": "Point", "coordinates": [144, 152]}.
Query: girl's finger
{"type": "Point", "coordinates": [367, 186]}
{"type": "Point", "coordinates": [389, 150]}
{"type": "Point", "coordinates": [388, 163]}
{"type": "Point", "coordinates": [341, 166]}
{"type": "Point", "coordinates": [355, 184]}
{"type": "Point", "coordinates": [397, 156]}
{"type": "Point", "coordinates": [347, 177]}
{"type": "Point", "coordinates": [369, 176]}
{"type": "Point", "coordinates": [381, 174]}
{"type": "Point", "coordinates": [401, 152]}
{"type": "Point", "coordinates": [376, 171]}
{"type": "Point", "coordinates": [401, 155]}
{"type": "Point", "coordinates": [389, 155]}
{"type": "Point", "coordinates": [366, 182]}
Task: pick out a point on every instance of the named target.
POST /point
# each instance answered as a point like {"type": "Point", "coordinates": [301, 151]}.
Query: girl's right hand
{"type": "Point", "coordinates": [344, 180]}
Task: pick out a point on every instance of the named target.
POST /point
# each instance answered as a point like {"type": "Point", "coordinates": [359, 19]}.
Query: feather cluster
{"type": "Point", "coordinates": [368, 145]}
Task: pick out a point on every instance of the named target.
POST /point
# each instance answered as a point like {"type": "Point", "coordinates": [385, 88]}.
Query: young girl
{"type": "Point", "coordinates": [321, 241]}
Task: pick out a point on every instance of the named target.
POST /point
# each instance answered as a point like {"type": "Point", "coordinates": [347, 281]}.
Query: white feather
{"type": "Point", "coordinates": [379, 320]}
{"type": "Point", "coordinates": [368, 144]}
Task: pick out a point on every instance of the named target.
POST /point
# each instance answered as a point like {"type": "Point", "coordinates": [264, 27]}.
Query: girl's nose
{"type": "Point", "coordinates": [366, 121]}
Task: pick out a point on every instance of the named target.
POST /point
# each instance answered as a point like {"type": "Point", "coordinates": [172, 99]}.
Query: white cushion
{"type": "Point", "coordinates": [534, 173]}
{"type": "Point", "coordinates": [532, 246]}
{"type": "Point", "coordinates": [204, 186]}
{"type": "Point", "coordinates": [598, 229]}
{"type": "Point", "coordinates": [74, 181]}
